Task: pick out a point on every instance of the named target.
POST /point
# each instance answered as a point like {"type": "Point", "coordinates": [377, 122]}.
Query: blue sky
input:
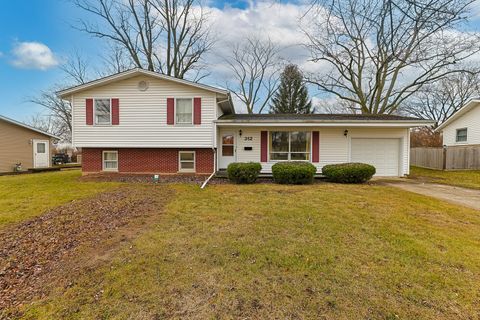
{"type": "Point", "coordinates": [49, 22]}
{"type": "Point", "coordinates": [45, 26]}
{"type": "Point", "coordinates": [43, 21]}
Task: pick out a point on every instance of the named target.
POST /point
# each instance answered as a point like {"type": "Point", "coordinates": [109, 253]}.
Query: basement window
{"type": "Point", "coordinates": [110, 160]}
{"type": "Point", "coordinates": [186, 161]}
{"type": "Point", "coordinates": [461, 135]}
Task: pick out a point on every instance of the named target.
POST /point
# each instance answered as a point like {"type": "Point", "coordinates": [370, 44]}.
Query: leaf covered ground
{"type": "Point", "coordinates": [49, 251]}
{"type": "Point", "coordinates": [268, 251]}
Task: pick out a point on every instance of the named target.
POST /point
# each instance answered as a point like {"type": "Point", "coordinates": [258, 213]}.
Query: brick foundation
{"type": "Point", "coordinates": [147, 160]}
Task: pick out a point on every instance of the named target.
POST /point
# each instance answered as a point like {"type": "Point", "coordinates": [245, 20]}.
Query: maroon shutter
{"type": "Point", "coordinates": [170, 111]}
{"type": "Point", "coordinates": [197, 111]}
{"type": "Point", "coordinates": [89, 111]}
{"type": "Point", "coordinates": [115, 112]}
{"type": "Point", "coordinates": [263, 146]}
{"type": "Point", "coordinates": [315, 146]}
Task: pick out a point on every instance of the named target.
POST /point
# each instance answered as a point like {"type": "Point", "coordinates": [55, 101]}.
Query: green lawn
{"type": "Point", "coordinates": [287, 252]}
{"type": "Point", "coordinates": [467, 179]}
{"type": "Point", "coordinates": [28, 195]}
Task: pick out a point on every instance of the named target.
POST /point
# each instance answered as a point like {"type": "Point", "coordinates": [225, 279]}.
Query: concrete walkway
{"type": "Point", "coordinates": [456, 195]}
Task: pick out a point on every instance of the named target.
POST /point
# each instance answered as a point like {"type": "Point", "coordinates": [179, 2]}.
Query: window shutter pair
{"type": "Point", "coordinates": [197, 111]}
{"type": "Point", "coordinates": [115, 109]}
{"type": "Point", "coordinates": [264, 146]}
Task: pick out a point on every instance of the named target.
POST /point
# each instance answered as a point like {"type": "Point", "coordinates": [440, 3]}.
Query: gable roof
{"type": "Point", "coordinates": [21, 124]}
{"type": "Point", "coordinates": [464, 109]}
{"type": "Point", "coordinates": [137, 71]}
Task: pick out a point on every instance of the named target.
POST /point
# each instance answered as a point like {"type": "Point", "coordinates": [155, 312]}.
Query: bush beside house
{"type": "Point", "coordinates": [243, 172]}
{"type": "Point", "coordinates": [293, 172]}
{"type": "Point", "coordinates": [348, 172]}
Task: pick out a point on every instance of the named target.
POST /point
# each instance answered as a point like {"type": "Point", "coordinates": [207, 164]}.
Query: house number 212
{"type": "Point", "coordinates": [248, 138]}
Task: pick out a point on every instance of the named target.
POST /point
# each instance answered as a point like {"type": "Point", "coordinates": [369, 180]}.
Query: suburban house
{"type": "Point", "coordinates": [139, 121]}
{"type": "Point", "coordinates": [23, 145]}
{"type": "Point", "coordinates": [463, 127]}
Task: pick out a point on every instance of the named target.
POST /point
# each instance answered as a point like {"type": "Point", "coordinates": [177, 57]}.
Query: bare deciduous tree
{"type": "Point", "coordinates": [115, 61]}
{"type": "Point", "coordinates": [255, 65]}
{"type": "Point", "coordinates": [49, 124]}
{"type": "Point", "coordinates": [382, 51]}
{"type": "Point", "coordinates": [58, 113]}
{"type": "Point", "coordinates": [439, 100]}
{"type": "Point", "coordinates": [76, 68]}
{"type": "Point", "coordinates": [336, 105]}
{"type": "Point", "coordinates": [168, 36]}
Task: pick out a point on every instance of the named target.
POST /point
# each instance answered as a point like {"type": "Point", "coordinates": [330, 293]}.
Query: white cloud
{"type": "Point", "coordinates": [270, 19]}
{"type": "Point", "coordinates": [33, 55]}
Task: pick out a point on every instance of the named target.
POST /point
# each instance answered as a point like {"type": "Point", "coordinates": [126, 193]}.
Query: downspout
{"type": "Point", "coordinates": [214, 169]}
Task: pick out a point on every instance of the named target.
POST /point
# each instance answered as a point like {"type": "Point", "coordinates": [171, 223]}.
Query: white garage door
{"type": "Point", "coordinates": [383, 154]}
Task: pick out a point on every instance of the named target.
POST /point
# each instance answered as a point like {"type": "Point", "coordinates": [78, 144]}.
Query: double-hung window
{"type": "Point", "coordinates": [110, 160]}
{"type": "Point", "coordinates": [103, 111]}
{"type": "Point", "coordinates": [289, 145]}
{"type": "Point", "coordinates": [184, 111]}
{"type": "Point", "coordinates": [186, 161]}
{"type": "Point", "coordinates": [461, 135]}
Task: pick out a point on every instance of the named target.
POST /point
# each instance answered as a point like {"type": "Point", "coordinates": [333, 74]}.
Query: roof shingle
{"type": "Point", "coordinates": [317, 117]}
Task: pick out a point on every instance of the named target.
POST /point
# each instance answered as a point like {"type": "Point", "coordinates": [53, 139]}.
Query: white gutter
{"type": "Point", "coordinates": [397, 124]}
{"type": "Point", "coordinates": [214, 169]}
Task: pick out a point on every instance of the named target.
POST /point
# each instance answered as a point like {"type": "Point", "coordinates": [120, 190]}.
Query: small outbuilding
{"type": "Point", "coordinates": [23, 147]}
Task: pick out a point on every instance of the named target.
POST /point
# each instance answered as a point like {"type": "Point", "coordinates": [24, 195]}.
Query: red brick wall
{"type": "Point", "coordinates": [147, 160]}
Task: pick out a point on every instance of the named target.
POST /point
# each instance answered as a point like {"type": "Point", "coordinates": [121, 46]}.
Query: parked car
{"type": "Point", "coordinates": [60, 158]}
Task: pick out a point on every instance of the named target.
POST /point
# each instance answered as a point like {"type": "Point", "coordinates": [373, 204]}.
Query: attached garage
{"type": "Point", "coordinates": [383, 154]}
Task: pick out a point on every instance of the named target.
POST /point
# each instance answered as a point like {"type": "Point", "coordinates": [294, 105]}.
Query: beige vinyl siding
{"type": "Point", "coordinates": [143, 116]}
{"type": "Point", "coordinates": [469, 120]}
{"type": "Point", "coordinates": [16, 146]}
{"type": "Point", "coordinates": [334, 146]}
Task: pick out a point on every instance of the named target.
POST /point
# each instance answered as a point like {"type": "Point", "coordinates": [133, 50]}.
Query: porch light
{"type": "Point", "coordinates": [240, 132]}
{"type": "Point", "coordinates": [345, 133]}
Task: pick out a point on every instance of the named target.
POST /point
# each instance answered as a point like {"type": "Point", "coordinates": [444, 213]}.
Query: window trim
{"type": "Point", "coordinates": [194, 169]}
{"type": "Point", "coordinates": [175, 112]}
{"type": "Point", "coordinates": [466, 135]}
{"type": "Point", "coordinates": [309, 152]}
{"type": "Point", "coordinates": [95, 112]}
{"type": "Point", "coordinates": [103, 161]}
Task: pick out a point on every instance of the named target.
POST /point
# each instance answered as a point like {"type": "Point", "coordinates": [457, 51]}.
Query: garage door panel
{"type": "Point", "coordinates": [383, 154]}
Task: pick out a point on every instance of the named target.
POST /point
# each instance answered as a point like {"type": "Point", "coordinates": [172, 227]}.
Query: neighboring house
{"type": "Point", "coordinates": [25, 145]}
{"type": "Point", "coordinates": [463, 127]}
{"type": "Point", "coordinates": [139, 121]}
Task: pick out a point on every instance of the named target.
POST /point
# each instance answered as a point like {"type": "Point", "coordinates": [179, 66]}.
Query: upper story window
{"type": "Point", "coordinates": [103, 111]}
{"type": "Point", "coordinates": [289, 145]}
{"type": "Point", "coordinates": [184, 111]}
{"type": "Point", "coordinates": [461, 135]}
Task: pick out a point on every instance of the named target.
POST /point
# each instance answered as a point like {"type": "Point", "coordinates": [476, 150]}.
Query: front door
{"type": "Point", "coordinates": [41, 153]}
{"type": "Point", "coordinates": [227, 150]}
